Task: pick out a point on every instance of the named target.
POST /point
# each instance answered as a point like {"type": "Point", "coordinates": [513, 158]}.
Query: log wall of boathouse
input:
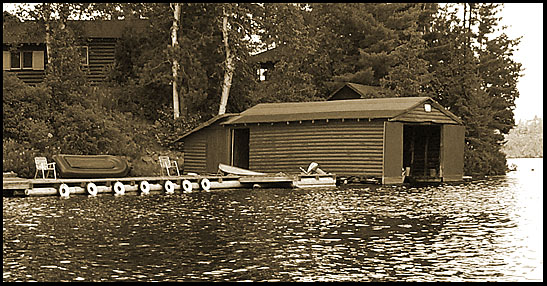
{"type": "Point", "coordinates": [195, 147]}
{"type": "Point", "coordinates": [204, 150]}
{"type": "Point", "coordinates": [348, 147]}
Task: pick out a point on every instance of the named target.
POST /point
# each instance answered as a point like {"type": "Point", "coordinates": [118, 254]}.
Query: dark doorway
{"type": "Point", "coordinates": [421, 150]}
{"type": "Point", "coordinates": [240, 148]}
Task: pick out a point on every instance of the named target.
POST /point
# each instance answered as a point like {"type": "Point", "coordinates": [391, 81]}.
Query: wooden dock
{"type": "Point", "coordinates": [14, 186]}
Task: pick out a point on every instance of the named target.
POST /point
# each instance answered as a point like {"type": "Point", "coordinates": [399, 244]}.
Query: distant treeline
{"type": "Point", "coordinates": [525, 140]}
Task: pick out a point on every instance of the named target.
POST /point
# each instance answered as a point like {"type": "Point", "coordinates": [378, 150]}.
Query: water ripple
{"type": "Point", "coordinates": [482, 231]}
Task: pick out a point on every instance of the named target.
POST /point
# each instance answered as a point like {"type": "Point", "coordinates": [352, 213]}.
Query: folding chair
{"type": "Point", "coordinates": [168, 164]}
{"type": "Point", "coordinates": [43, 165]}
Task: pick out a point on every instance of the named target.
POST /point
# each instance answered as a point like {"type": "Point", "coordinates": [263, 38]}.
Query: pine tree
{"type": "Point", "coordinates": [470, 71]}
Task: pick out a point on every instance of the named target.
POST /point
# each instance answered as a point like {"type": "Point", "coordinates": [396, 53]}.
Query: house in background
{"type": "Point", "coordinates": [351, 90]}
{"type": "Point", "coordinates": [384, 138]}
{"type": "Point", "coordinates": [265, 62]}
{"type": "Point", "coordinates": [24, 47]}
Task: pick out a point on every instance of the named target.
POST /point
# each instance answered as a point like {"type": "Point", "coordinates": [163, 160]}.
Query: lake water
{"type": "Point", "coordinates": [488, 230]}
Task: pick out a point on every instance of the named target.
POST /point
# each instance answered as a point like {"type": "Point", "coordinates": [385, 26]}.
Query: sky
{"type": "Point", "coordinates": [522, 20]}
{"type": "Point", "coordinates": [526, 20]}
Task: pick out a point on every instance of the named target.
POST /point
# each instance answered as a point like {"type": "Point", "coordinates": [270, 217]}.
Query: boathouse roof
{"type": "Point", "coordinates": [389, 108]}
{"type": "Point", "coordinates": [207, 123]}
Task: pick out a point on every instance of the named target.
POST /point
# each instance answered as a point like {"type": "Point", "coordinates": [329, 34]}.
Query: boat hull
{"type": "Point", "coordinates": [324, 181]}
{"type": "Point", "coordinates": [90, 166]}
{"type": "Point", "coordinates": [238, 171]}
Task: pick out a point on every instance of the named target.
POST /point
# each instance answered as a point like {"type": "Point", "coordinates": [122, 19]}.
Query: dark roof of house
{"type": "Point", "coordinates": [365, 91]}
{"type": "Point", "coordinates": [34, 32]}
{"type": "Point", "coordinates": [388, 108]}
{"type": "Point", "coordinates": [270, 55]}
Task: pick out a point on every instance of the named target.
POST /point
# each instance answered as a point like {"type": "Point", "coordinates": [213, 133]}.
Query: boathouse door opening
{"type": "Point", "coordinates": [421, 150]}
{"type": "Point", "coordinates": [240, 148]}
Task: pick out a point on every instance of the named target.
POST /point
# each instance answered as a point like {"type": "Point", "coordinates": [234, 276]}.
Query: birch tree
{"type": "Point", "coordinates": [175, 67]}
{"type": "Point", "coordinates": [229, 64]}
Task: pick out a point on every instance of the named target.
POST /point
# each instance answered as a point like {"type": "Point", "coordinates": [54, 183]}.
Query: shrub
{"type": "Point", "coordinates": [26, 112]}
{"type": "Point", "coordinates": [169, 129]}
{"type": "Point", "coordinates": [18, 158]}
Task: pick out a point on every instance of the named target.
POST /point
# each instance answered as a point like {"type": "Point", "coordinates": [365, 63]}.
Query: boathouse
{"type": "Point", "coordinates": [383, 138]}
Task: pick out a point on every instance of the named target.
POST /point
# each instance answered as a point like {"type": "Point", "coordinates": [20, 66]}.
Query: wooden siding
{"type": "Point", "coordinates": [345, 148]}
{"type": "Point", "coordinates": [418, 114]}
{"type": "Point", "coordinates": [217, 147]}
{"type": "Point", "coordinates": [195, 147]}
{"type": "Point", "coordinates": [204, 149]}
{"type": "Point", "coordinates": [101, 56]}
{"type": "Point", "coordinates": [453, 142]}
{"type": "Point", "coordinates": [393, 153]}
{"type": "Point", "coordinates": [345, 93]}
{"type": "Point", "coordinates": [30, 77]}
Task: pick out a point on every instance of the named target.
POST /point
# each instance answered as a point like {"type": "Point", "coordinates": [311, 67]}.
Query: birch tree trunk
{"type": "Point", "coordinates": [175, 67]}
{"type": "Point", "coordinates": [229, 66]}
{"type": "Point", "coordinates": [46, 12]}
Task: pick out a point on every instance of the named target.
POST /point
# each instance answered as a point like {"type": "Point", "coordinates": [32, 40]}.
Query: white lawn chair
{"type": "Point", "coordinates": [43, 165]}
{"type": "Point", "coordinates": [168, 164]}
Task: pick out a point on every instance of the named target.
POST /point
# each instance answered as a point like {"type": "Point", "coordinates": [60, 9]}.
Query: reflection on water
{"type": "Point", "coordinates": [490, 230]}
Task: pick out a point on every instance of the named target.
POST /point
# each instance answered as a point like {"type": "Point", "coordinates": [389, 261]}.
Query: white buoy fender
{"type": "Point", "coordinates": [187, 186]}
{"type": "Point", "coordinates": [119, 188]}
{"type": "Point", "coordinates": [64, 190]}
{"type": "Point", "coordinates": [91, 189]}
{"type": "Point", "coordinates": [144, 187]}
{"type": "Point", "coordinates": [169, 187]}
{"type": "Point", "coordinates": [205, 184]}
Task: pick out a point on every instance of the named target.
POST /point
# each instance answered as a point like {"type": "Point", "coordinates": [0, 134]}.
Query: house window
{"type": "Point", "coordinates": [262, 74]}
{"type": "Point", "coordinates": [27, 60]}
{"type": "Point", "coordinates": [32, 60]}
{"type": "Point", "coordinates": [84, 55]}
{"type": "Point", "coordinates": [15, 60]}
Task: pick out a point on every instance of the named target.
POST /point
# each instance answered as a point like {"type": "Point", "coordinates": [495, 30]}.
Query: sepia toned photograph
{"type": "Point", "coordinates": [272, 142]}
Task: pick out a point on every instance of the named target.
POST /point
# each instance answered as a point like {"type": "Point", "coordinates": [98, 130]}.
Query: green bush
{"type": "Point", "coordinates": [18, 158]}
{"type": "Point", "coordinates": [26, 112]}
{"type": "Point", "coordinates": [169, 129]}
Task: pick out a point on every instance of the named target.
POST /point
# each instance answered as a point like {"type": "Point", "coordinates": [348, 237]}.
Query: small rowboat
{"type": "Point", "coordinates": [90, 166]}
{"type": "Point", "coordinates": [313, 177]}
{"type": "Point", "coordinates": [238, 171]}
